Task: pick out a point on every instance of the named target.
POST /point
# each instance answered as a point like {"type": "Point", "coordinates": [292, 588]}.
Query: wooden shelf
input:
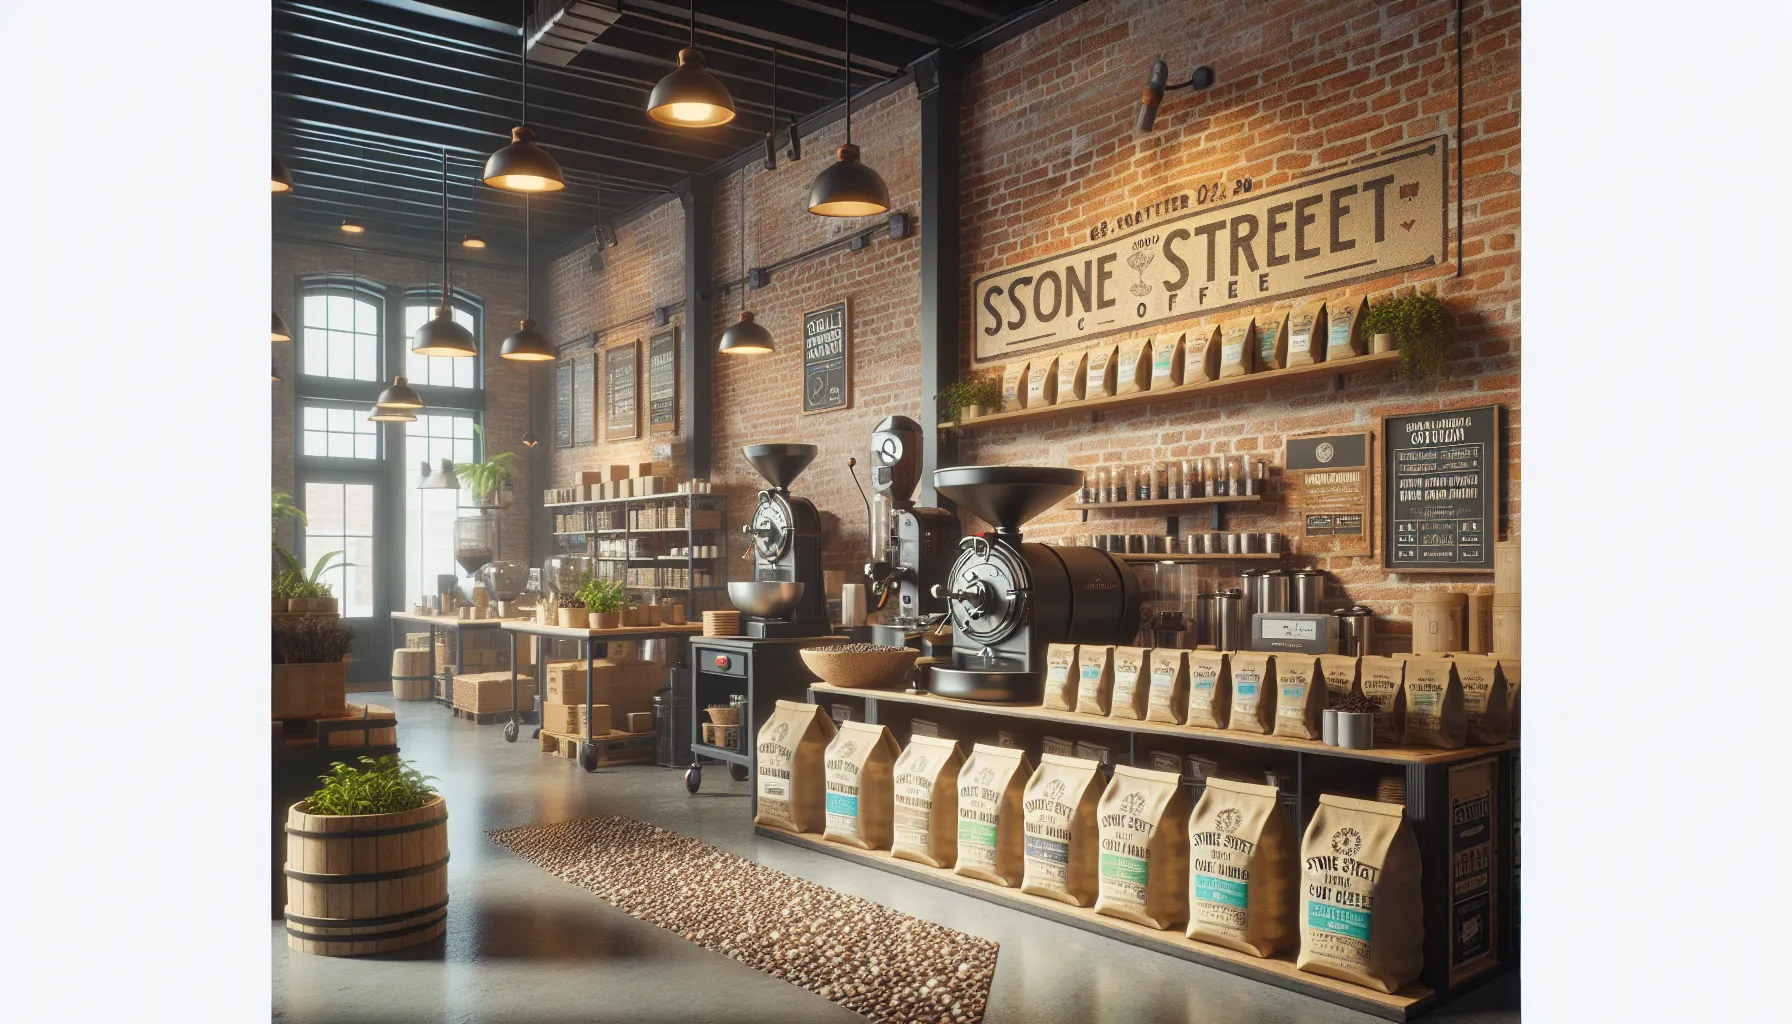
{"type": "Point", "coordinates": [1259, 556]}
{"type": "Point", "coordinates": [674, 496]}
{"type": "Point", "coordinates": [1074, 506]}
{"type": "Point", "coordinates": [1389, 755]}
{"type": "Point", "coordinates": [1277, 970]}
{"type": "Point", "coordinates": [1263, 378]}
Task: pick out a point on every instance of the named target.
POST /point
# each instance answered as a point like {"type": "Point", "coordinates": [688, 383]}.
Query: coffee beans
{"type": "Point", "coordinates": [866, 648]}
{"type": "Point", "coordinates": [1354, 704]}
{"type": "Point", "coordinates": [872, 960]}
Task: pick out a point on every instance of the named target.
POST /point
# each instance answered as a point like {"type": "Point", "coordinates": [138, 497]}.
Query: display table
{"type": "Point", "coordinates": [440, 681]}
{"type": "Point", "coordinates": [1459, 804]}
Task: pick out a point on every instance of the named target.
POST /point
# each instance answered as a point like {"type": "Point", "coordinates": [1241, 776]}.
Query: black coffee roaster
{"type": "Point", "coordinates": [785, 597]}
{"type": "Point", "coordinates": [912, 546]}
{"type": "Point", "coordinates": [1008, 599]}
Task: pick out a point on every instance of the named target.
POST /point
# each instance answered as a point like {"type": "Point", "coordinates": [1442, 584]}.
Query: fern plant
{"type": "Point", "coordinates": [385, 786]}
{"type": "Point", "coordinates": [962, 394]}
{"type": "Point", "coordinates": [484, 479]}
{"type": "Point", "coordinates": [293, 577]}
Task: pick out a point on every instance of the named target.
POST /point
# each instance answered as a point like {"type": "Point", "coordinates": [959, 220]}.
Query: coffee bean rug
{"type": "Point", "coordinates": [870, 959]}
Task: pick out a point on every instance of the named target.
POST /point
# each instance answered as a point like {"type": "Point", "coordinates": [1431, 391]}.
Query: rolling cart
{"type": "Point", "coordinates": [765, 670]}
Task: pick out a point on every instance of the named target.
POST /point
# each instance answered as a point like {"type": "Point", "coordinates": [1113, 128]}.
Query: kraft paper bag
{"type": "Point", "coordinates": [1342, 674]}
{"type": "Point", "coordinates": [1132, 373]}
{"type": "Point", "coordinates": [1132, 683]}
{"type": "Point", "coordinates": [1244, 869]}
{"type": "Point", "coordinates": [1167, 700]}
{"type": "Point", "coordinates": [1509, 667]}
{"type": "Point", "coordinates": [1362, 914]}
{"type": "Point", "coordinates": [1073, 376]}
{"type": "Point", "coordinates": [1143, 823]}
{"type": "Point", "coordinates": [990, 830]}
{"type": "Point", "coordinates": [792, 783]}
{"type": "Point", "coordinates": [1307, 334]}
{"type": "Point", "coordinates": [1383, 681]}
{"type": "Point", "coordinates": [1344, 332]}
{"type": "Point", "coordinates": [1238, 347]}
{"type": "Point", "coordinates": [1209, 690]}
{"type": "Point", "coordinates": [1042, 382]}
{"type": "Point", "coordinates": [1095, 679]}
{"type": "Point", "coordinates": [1060, 677]}
{"type": "Point", "coordinates": [926, 801]}
{"type": "Point", "coordinates": [1166, 361]}
{"type": "Point", "coordinates": [1201, 354]}
{"type": "Point", "coordinates": [1103, 363]}
{"type": "Point", "coordinates": [1061, 845]}
{"type": "Point", "coordinates": [1485, 699]}
{"type": "Point", "coordinates": [1436, 715]}
{"type": "Point", "coordinates": [861, 768]}
{"type": "Point", "coordinates": [1014, 385]}
{"type": "Point", "coordinates": [1272, 341]}
{"type": "Point", "coordinates": [1253, 692]}
{"type": "Point", "coordinates": [1301, 696]}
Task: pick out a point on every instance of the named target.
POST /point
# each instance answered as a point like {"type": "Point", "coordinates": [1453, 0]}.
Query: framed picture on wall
{"type": "Point", "coordinates": [827, 358]}
{"type": "Point", "coordinates": [621, 410]}
{"type": "Point", "coordinates": [662, 382]}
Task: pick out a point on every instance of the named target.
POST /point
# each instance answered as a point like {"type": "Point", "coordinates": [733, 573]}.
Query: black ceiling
{"type": "Point", "coordinates": [368, 93]}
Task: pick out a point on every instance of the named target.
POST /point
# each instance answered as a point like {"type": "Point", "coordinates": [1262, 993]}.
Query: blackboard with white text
{"type": "Point", "coordinates": [826, 353]}
{"type": "Point", "coordinates": [1442, 490]}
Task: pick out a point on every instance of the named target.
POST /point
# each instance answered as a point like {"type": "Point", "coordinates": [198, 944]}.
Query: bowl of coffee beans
{"type": "Point", "coordinates": [1350, 722]}
{"type": "Point", "coordinates": [860, 666]}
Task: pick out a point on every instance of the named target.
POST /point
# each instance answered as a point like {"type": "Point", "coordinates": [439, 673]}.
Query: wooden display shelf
{"type": "Point", "coordinates": [1257, 556]}
{"type": "Point", "coordinates": [1277, 970]}
{"type": "Point", "coordinates": [1389, 755]}
{"type": "Point", "coordinates": [1262, 378]}
{"type": "Point", "coordinates": [674, 496]}
{"type": "Point", "coordinates": [533, 628]}
{"type": "Point", "coordinates": [1074, 506]}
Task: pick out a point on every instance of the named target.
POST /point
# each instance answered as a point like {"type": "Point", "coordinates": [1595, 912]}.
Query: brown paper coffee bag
{"type": "Point", "coordinates": [1103, 361]}
{"type": "Point", "coordinates": [1201, 354]}
{"type": "Point", "coordinates": [1167, 699]}
{"type": "Point", "coordinates": [1307, 334]}
{"type": "Point", "coordinates": [1272, 340]}
{"type": "Point", "coordinates": [1062, 849]}
{"type": "Point", "coordinates": [1060, 677]}
{"type": "Point", "coordinates": [1042, 382]}
{"type": "Point", "coordinates": [861, 769]}
{"type": "Point", "coordinates": [1484, 698]}
{"type": "Point", "coordinates": [1509, 667]}
{"type": "Point", "coordinates": [1143, 823]}
{"type": "Point", "coordinates": [1132, 683]}
{"type": "Point", "coordinates": [1362, 918]}
{"type": "Point", "coordinates": [1014, 385]}
{"type": "Point", "coordinates": [1435, 713]}
{"type": "Point", "coordinates": [1344, 331]}
{"type": "Point", "coordinates": [792, 783]}
{"type": "Point", "coordinates": [1095, 679]}
{"type": "Point", "coordinates": [990, 830]}
{"type": "Point", "coordinates": [1383, 681]}
{"type": "Point", "coordinates": [1238, 347]}
{"type": "Point", "coordinates": [1166, 361]}
{"type": "Point", "coordinates": [1073, 374]}
{"type": "Point", "coordinates": [1253, 692]}
{"type": "Point", "coordinates": [1342, 674]}
{"type": "Point", "coordinates": [1301, 696]}
{"type": "Point", "coordinates": [1133, 371]}
{"type": "Point", "coordinates": [926, 801]}
{"type": "Point", "coordinates": [1244, 869]}
{"type": "Point", "coordinates": [1209, 689]}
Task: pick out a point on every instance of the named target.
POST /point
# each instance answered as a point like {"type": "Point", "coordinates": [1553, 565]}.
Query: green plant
{"type": "Point", "coordinates": [384, 786]}
{"type": "Point", "coordinates": [285, 512]}
{"type": "Point", "coordinates": [311, 640]}
{"type": "Point", "coordinates": [960, 394]}
{"type": "Point", "coordinates": [483, 480]}
{"type": "Point", "coordinates": [297, 583]}
{"type": "Point", "coordinates": [290, 584]}
{"type": "Point", "coordinates": [602, 594]}
{"type": "Point", "coordinates": [568, 599]}
{"type": "Point", "coordinates": [1423, 330]}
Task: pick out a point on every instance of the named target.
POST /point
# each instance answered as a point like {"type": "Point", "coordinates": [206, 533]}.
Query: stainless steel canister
{"type": "Point", "coordinates": [1266, 590]}
{"type": "Point", "coordinates": [1234, 543]}
{"type": "Point", "coordinates": [1250, 543]}
{"type": "Point", "coordinates": [1306, 592]}
{"type": "Point", "coordinates": [1201, 630]}
{"type": "Point", "coordinates": [1229, 632]}
{"type": "Point", "coordinates": [1272, 543]}
{"type": "Point", "coordinates": [1356, 631]}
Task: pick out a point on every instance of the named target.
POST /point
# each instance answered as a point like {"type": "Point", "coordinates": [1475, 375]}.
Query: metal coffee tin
{"type": "Point", "coordinates": [1250, 543]}
{"type": "Point", "coordinates": [1306, 591]}
{"type": "Point", "coordinates": [1272, 543]}
{"type": "Point", "coordinates": [1356, 631]}
{"type": "Point", "coordinates": [1228, 620]}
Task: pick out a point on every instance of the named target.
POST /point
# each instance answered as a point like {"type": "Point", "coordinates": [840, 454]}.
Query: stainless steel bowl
{"type": "Point", "coordinates": [766, 600]}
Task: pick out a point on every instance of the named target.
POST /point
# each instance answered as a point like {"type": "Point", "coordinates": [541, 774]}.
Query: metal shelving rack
{"type": "Point", "coordinates": [698, 598]}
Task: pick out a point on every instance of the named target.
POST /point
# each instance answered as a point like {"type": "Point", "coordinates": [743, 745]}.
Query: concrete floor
{"type": "Point", "coordinates": [524, 947]}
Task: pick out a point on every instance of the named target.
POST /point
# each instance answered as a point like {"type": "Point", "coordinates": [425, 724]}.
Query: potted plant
{"type": "Point", "coordinates": [310, 673]}
{"type": "Point", "coordinates": [1420, 327]}
{"type": "Point", "coordinates": [332, 907]}
{"type": "Point", "coordinates": [606, 599]}
{"type": "Point", "coordinates": [306, 593]}
{"type": "Point", "coordinates": [571, 610]}
{"type": "Point", "coordinates": [971, 398]}
{"type": "Point", "coordinates": [491, 482]}
{"type": "Point", "coordinates": [284, 511]}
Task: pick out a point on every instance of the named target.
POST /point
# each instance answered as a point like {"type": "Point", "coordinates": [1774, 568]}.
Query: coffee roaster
{"type": "Point", "coordinates": [785, 597]}
{"type": "Point", "coordinates": [1008, 599]}
{"type": "Point", "coordinates": [912, 546]}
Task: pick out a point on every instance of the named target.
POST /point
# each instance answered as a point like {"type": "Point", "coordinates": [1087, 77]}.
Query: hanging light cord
{"type": "Point", "coordinates": [743, 239]}
{"type": "Point", "coordinates": [445, 277]}
{"type": "Point", "coordinates": [525, 54]}
{"type": "Point", "coordinates": [847, 73]}
{"type": "Point", "coordinates": [693, 13]}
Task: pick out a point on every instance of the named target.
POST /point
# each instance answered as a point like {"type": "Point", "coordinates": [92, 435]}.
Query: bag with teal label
{"type": "Point", "coordinates": [1301, 696]}
{"type": "Point", "coordinates": [1361, 914]}
{"type": "Point", "coordinates": [1253, 692]}
{"type": "Point", "coordinates": [1209, 689]}
{"type": "Point", "coordinates": [990, 830]}
{"type": "Point", "coordinates": [1143, 823]}
{"type": "Point", "coordinates": [860, 766]}
{"type": "Point", "coordinates": [1244, 881]}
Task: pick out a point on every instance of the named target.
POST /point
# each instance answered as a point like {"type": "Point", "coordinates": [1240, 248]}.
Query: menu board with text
{"type": "Point", "coordinates": [1442, 488]}
{"type": "Point", "coordinates": [1330, 481]}
{"type": "Point", "coordinates": [584, 400]}
{"type": "Point", "coordinates": [620, 413]}
{"type": "Point", "coordinates": [563, 404]}
{"type": "Point", "coordinates": [662, 382]}
{"type": "Point", "coordinates": [826, 355]}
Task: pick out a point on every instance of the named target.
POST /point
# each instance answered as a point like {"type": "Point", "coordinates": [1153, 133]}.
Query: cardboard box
{"type": "Point", "coordinates": [588, 477]}
{"type": "Point", "coordinates": [569, 719]}
{"type": "Point", "coordinates": [640, 721]}
{"type": "Point", "coordinates": [653, 469]}
{"type": "Point", "coordinates": [627, 685]}
{"type": "Point", "coordinates": [486, 692]}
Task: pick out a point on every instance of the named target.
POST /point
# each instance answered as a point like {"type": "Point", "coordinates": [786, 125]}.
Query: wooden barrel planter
{"type": "Point", "coordinates": [366, 883]}
{"type": "Point", "coordinates": [410, 673]}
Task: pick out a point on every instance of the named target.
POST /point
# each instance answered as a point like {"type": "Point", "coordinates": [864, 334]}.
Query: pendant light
{"type": "Point", "coordinates": [275, 367]}
{"type": "Point", "coordinates": [440, 335]}
{"type": "Point", "coordinates": [379, 415]}
{"type": "Point", "coordinates": [399, 396]}
{"type": "Point", "coordinates": [472, 242]}
{"type": "Point", "coordinates": [282, 176]}
{"type": "Point", "coordinates": [443, 479]}
{"type": "Point", "coordinates": [691, 97]}
{"type": "Point", "coordinates": [527, 345]}
{"type": "Point", "coordinates": [848, 188]}
{"type": "Point", "coordinates": [523, 166]}
{"type": "Point", "coordinates": [281, 333]}
{"type": "Point", "coordinates": [530, 440]}
{"type": "Point", "coordinates": [745, 337]}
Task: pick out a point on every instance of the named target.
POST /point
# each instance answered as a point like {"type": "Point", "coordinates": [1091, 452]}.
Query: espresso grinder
{"type": "Point", "coordinates": [912, 546]}
{"type": "Point", "coordinates": [785, 597]}
{"type": "Point", "coordinates": [1009, 600]}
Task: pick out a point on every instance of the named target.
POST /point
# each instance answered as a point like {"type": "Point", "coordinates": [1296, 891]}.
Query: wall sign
{"type": "Point", "coordinates": [1350, 224]}
{"type": "Point", "coordinates": [1474, 814]}
{"type": "Point", "coordinates": [620, 419]}
{"type": "Point", "coordinates": [1442, 485]}
{"type": "Point", "coordinates": [827, 351]}
{"type": "Point", "coordinates": [662, 382]}
{"type": "Point", "coordinates": [563, 404]}
{"type": "Point", "coordinates": [1331, 482]}
{"type": "Point", "coordinates": [584, 400]}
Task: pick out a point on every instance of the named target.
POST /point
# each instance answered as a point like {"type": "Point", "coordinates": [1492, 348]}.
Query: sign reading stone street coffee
{"type": "Point", "coordinates": [826, 355]}
{"type": "Point", "coordinates": [620, 419]}
{"type": "Point", "coordinates": [662, 382]}
{"type": "Point", "coordinates": [1442, 485]}
{"type": "Point", "coordinates": [1382, 217]}
{"type": "Point", "coordinates": [1329, 478]}
{"type": "Point", "coordinates": [563, 404]}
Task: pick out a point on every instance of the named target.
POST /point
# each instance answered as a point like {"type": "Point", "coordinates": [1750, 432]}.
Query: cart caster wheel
{"type": "Point", "coordinates": [511, 730]}
{"type": "Point", "coordinates": [693, 779]}
{"type": "Point", "coordinates": [737, 772]}
{"type": "Point", "coordinates": [588, 755]}
{"type": "Point", "coordinates": [536, 734]}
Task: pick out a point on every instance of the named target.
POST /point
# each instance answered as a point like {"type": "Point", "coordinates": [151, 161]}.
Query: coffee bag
{"type": "Point", "coordinates": [1132, 373]}
{"type": "Point", "coordinates": [792, 783]}
{"type": "Point", "coordinates": [1095, 679]}
{"type": "Point", "coordinates": [1132, 683]}
{"type": "Point", "coordinates": [1244, 874]}
{"type": "Point", "coordinates": [1073, 373]}
{"type": "Point", "coordinates": [860, 766]}
{"type": "Point", "coordinates": [1363, 918]}
{"type": "Point", "coordinates": [1342, 674]}
{"type": "Point", "coordinates": [1166, 361]}
{"type": "Point", "coordinates": [1167, 700]}
{"type": "Point", "coordinates": [1060, 677]}
{"type": "Point", "coordinates": [1062, 849]}
{"type": "Point", "coordinates": [1435, 713]}
{"type": "Point", "coordinates": [990, 830]}
{"type": "Point", "coordinates": [926, 801]}
{"type": "Point", "coordinates": [1307, 334]}
{"type": "Point", "coordinates": [1103, 361]}
{"type": "Point", "coordinates": [1201, 354]}
{"type": "Point", "coordinates": [1238, 347]}
{"type": "Point", "coordinates": [1143, 822]}
{"type": "Point", "coordinates": [1344, 331]}
{"type": "Point", "coordinates": [1253, 692]}
{"type": "Point", "coordinates": [1485, 700]}
{"type": "Point", "coordinates": [1509, 667]}
{"type": "Point", "coordinates": [1014, 385]}
{"type": "Point", "coordinates": [1209, 689]}
{"type": "Point", "coordinates": [1272, 340]}
{"type": "Point", "coordinates": [1383, 681]}
{"type": "Point", "coordinates": [1042, 382]}
{"type": "Point", "coordinates": [1301, 696]}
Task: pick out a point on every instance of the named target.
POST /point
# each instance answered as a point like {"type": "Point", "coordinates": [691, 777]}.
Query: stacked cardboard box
{"type": "Point", "coordinates": [485, 692]}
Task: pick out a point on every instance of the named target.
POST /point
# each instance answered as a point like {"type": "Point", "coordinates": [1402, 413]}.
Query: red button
{"type": "Point", "coordinates": [721, 661]}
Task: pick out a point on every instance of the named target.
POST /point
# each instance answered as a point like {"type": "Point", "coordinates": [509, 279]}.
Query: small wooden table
{"type": "Point", "coordinates": [438, 688]}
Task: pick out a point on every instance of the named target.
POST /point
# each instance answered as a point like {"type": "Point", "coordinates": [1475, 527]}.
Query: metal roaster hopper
{"type": "Point", "coordinates": [912, 546]}
{"type": "Point", "coordinates": [1008, 600]}
{"type": "Point", "coordinates": [785, 597]}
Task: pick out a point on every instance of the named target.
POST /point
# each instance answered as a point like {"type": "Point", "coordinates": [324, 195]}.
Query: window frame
{"type": "Point", "coordinates": [355, 288]}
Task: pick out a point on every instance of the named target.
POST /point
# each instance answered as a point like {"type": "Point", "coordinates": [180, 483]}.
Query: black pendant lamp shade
{"type": "Point", "coordinates": [440, 335]}
{"type": "Point", "coordinates": [523, 166]}
{"type": "Point", "coordinates": [847, 187]}
{"type": "Point", "coordinates": [690, 97]}
{"type": "Point", "coordinates": [399, 396]}
{"type": "Point", "coordinates": [746, 337]}
{"type": "Point", "coordinates": [530, 440]}
{"type": "Point", "coordinates": [281, 333]}
{"type": "Point", "coordinates": [389, 415]}
{"type": "Point", "coordinates": [528, 345]}
{"type": "Point", "coordinates": [282, 176]}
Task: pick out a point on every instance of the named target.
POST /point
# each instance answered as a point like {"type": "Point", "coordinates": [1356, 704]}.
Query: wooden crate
{"type": "Point", "coordinates": [485, 692]}
{"type": "Point", "coordinates": [570, 718]}
{"type": "Point", "coordinates": [726, 736]}
{"type": "Point", "coordinates": [309, 691]}
{"type": "Point", "coordinates": [639, 721]}
{"type": "Point", "coordinates": [353, 726]}
{"type": "Point", "coordinates": [616, 748]}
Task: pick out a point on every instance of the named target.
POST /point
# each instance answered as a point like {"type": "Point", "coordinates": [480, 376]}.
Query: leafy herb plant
{"type": "Point", "coordinates": [961, 394]}
{"type": "Point", "coordinates": [384, 786]}
{"type": "Point", "coordinates": [483, 480]}
{"type": "Point", "coordinates": [601, 594]}
{"type": "Point", "coordinates": [1423, 329]}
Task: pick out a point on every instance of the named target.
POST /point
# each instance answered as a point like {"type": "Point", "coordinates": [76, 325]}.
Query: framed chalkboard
{"type": "Point", "coordinates": [1443, 485]}
{"type": "Point", "coordinates": [620, 413]}
{"type": "Point", "coordinates": [827, 359]}
{"type": "Point", "coordinates": [662, 382]}
{"type": "Point", "coordinates": [563, 404]}
{"type": "Point", "coordinates": [584, 400]}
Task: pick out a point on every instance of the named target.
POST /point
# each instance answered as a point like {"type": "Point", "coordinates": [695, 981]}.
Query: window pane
{"type": "Point", "coordinates": [342, 446]}
{"type": "Point", "coordinates": [314, 311]}
{"type": "Point", "coordinates": [358, 517]}
{"type": "Point", "coordinates": [342, 313]}
{"type": "Point", "coordinates": [366, 358]}
{"type": "Point", "coordinates": [463, 372]}
{"type": "Point", "coordinates": [341, 420]}
{"type": "Point", "coordinates": [463, 426]}
{"type": "Point", "coordinates": [314, 418]}
{"type": "Point", "coordinates": [366, 317]}
{"type": "Point", "coordinates": [367, 447]}
{"type": "Point", "coordinates": [316, 442]}
{"type": "Point", "coordinates": [323, 508]}
{"type": "Point", "coordinates": [463, 451]}
{"type": "Point", "coordinates": [416, 367]}
{"type": "Point", "coordinates": [342, 354]}
{"type": "Point", "coordinates": [316, 353]}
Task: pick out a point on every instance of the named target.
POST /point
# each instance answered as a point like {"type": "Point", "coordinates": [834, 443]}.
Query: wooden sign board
{"type": "Point", "coordinates": [584, 400]}
{"type": "Point", "coordinates": [1331, 484]}
{"type": "Point", "coordinates": [1442, 490]}
{"type": "Point", "coordinates": [827, 358]}
{"type": "Point", "coordinates": [662, 382]}
{"type": "Point", "coordinates": [563, 404]}
{"type": "Point", "coordinates": [1321, 232]}
{"type": "Point", "coordinates": [621, 419]}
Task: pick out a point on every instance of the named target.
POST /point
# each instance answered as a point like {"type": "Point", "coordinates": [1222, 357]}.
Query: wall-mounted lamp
{"type": "Point", "coordinates": [1156, 84]}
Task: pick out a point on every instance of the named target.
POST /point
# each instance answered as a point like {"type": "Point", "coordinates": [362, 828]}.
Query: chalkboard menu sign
{"type": "Point", "coordinates": [584, 400]}
{"type": "Point", "coordinates": [1442, 486]}
{"type": "Point", "coordinates": [620, 420]}
{"type": "Point", "coordinates": [1329, 479]}
{"type": "Point", "coordinates": [662, 382]}
{"type": "Point", "coordinates": [826, 354]}
{"type": "Point", "coordinates": [563, 404]}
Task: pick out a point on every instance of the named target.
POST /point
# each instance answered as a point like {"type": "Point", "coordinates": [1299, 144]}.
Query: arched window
{"type": "Point", "coordinates": [443, 371]}
{"type": "Point", "coordinates": [340, 329]}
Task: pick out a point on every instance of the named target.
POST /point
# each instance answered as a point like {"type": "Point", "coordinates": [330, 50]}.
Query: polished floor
{"type": "Point", "coordinates": [527, 948]}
